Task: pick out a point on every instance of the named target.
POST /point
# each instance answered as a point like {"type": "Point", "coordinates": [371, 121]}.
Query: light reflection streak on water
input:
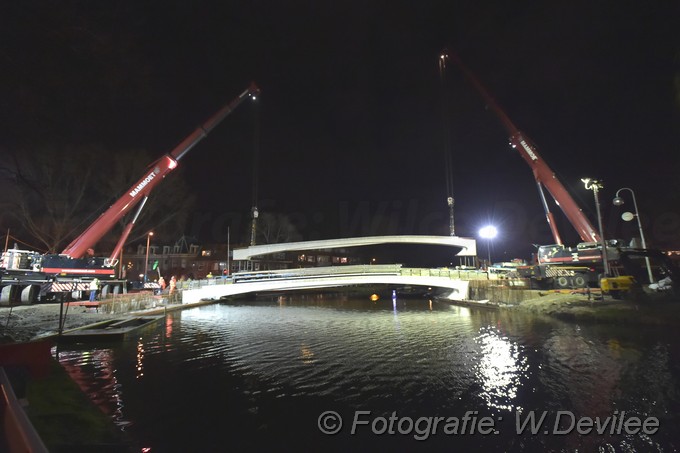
{"type": "Point", "coordinates": [140, 359]}
{"type": "Point", "coordinates": [306, 355]}
{"type": "Point", "coordinates": [500, 369]}
{"type": "Point", "coordinates": [168, 327]}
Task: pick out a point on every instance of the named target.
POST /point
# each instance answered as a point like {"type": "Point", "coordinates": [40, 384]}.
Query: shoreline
{"type": "Point", "coordinates": [646, 309]}
{"type": "Point", "coordinates": [36, 322]}
{"type": "Point", "coordinates": [40, 321]}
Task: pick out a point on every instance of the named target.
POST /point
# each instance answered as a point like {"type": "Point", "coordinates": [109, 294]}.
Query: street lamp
{"type": "Point", "coordinates": [595, 186]}
{"type": "Point", "coordinates": [146, 261]}
{"type": "Point", "coordinates": [627, 216]}
{"type": "Point", "coordinates": [488, 232]}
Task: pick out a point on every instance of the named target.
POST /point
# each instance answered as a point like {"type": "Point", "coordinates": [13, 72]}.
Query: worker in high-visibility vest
{"type": "Point", "coordinates": [94, 287]}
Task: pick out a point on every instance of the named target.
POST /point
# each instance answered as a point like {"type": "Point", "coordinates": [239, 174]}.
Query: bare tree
{"type": "Point", "coordinates": [46, 194]}
{"type": "Point", "coordinates": [54, 194]}
{"type": "Point", "coordinates": [276, 228]}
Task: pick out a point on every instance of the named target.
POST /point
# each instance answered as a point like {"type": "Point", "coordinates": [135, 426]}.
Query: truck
{"type": "Point", "coordinates": [608, 264]}
{"type": "Point", "coordinates": [28, 277]}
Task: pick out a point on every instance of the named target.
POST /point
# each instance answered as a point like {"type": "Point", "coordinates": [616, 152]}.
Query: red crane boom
{"type": "Point", "coordinates": [141, 189]}
{"type": "Point", "coordinates": [544, 176]}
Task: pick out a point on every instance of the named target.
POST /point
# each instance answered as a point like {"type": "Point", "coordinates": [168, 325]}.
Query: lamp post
{"type": "Point", "coordinates": [595, 186]}
{"type": "Point", "coordinates": [627, 216]}
{"type": "Point", "coordinates": [228, 247]}
{"type": "Point", "coordinates": [488, 232]}
{"type": "Point", "coordinates": [146, 261]}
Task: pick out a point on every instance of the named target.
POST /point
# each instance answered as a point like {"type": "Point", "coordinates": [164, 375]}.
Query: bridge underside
{"type": "Point", "coordinates": [465, 246]}
{"type": "Point", "coordinates": [458, 288]}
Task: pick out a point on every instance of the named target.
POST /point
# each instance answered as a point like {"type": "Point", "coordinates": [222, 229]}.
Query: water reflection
{"type": "Point", "coordinates": [268, 368]}
{"type": "Point", "coordinates": [584, 369]}
{"type": "Point", "coordinates": [140, 359]}
{"type": "Point", "coordinates": [168, 326]}
{"type": "Point", "coordinates": [500, 369]}
{"type": "Point", "coordinates": [307, 355]}
{"type": "Point", "coordinates": [95, 373]}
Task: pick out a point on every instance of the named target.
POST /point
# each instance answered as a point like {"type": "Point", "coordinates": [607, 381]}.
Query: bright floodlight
{"type": "Point", "coordinates": [488, 232]}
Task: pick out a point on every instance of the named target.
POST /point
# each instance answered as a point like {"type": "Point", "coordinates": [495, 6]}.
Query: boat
{"type": "Point", "coordinates": [110, 330]}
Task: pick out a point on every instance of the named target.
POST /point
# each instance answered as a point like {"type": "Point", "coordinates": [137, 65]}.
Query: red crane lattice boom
{"type": "Point", "coordinates": [143, 187]}
{"type": "Point", "coordinates": [543, 174]}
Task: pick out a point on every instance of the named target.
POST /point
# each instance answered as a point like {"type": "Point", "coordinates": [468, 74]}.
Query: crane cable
{"type": "Point", "coordinates": [256, 159]}
{"type": "Point", "coordinates": [448, 161]}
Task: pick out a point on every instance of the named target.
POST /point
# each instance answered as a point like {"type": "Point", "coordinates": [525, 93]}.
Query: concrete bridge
{"type": "Point", "coordinates": [453, 283]}
{"type": "Point", "coordinates": [465, 246]}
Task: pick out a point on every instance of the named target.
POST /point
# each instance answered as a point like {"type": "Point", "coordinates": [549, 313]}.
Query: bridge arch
{"type": "Point", "coordinates": [466, 246]}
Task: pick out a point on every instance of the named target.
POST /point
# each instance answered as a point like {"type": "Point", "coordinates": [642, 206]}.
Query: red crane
{"type": "Point", "coordinates": [28, 276]}
{"type": "Point", "coordinates": [544, 176]}
{"type": "Point", "coordinates": [140, 190]}
{"type": "Point", "coordinates": [576, 267]}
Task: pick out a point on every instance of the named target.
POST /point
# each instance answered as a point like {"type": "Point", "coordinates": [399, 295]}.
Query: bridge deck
{"type": "Point", "coordinates": [311, 278]}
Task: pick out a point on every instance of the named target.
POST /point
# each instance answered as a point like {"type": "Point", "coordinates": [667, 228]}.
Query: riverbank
{"type": "Point", "coordinates": [31, 322]}
{"type": "Point", "coordinates": [647, 309]}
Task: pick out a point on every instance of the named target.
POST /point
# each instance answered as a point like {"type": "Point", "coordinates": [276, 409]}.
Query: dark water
{"type": "Point", "coordinates": [254, 375]}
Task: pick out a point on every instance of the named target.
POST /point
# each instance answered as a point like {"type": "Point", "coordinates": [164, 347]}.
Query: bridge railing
{"type": "Point", "coordinates": [335, 271]}
{"type": "Point", "coordinates": [279, 274]}
{"type": "Point", "coordinates": [461, 274]}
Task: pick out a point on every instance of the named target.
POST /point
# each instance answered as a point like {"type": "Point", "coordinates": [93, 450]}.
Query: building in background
{"type": "Point", "coordinates": [188, 259]}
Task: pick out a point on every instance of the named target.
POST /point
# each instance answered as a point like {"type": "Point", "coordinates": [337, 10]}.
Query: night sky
{"type": "Point", "coordinates": [350, 118]}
